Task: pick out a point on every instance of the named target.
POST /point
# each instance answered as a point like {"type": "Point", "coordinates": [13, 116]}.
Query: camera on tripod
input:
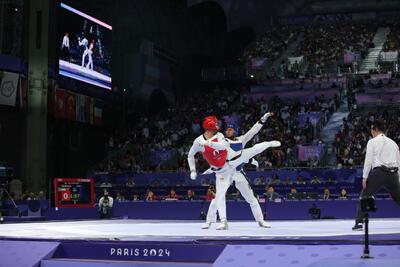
{"type": "Point", "coordinates": [6, 173]}
{"type": "Point", "coordinates": [7, 203]}
{"type": "Point", "coordinates": [4, 181]}
{"type": "Point", "coordinates": [3, 188]}
{"type": "Point", "coordinates": [368, 204]}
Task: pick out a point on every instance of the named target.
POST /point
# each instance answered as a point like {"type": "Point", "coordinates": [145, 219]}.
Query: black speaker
{"type": "Point", "coordinates": [34, 208]}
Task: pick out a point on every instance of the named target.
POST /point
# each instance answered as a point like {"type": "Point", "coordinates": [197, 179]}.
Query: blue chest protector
{"type": "Point", "coordinates": [237, 146]}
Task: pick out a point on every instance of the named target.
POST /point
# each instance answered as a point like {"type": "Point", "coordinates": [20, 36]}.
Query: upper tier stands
{"type": "Point", "coordinates": [325, 43]}
{"type": "Point", "coordinates": [322, 48]}
{"type": "Point", "coordinates": [272, 43]}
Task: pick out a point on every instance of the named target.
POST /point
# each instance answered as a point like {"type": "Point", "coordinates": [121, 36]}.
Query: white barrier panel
{"type": "Point", "coordinates": [389, 56]}
{"type": "Point", "coordinates": [292, 60]}
{"type": "Point", "coordinates": [8, 88]}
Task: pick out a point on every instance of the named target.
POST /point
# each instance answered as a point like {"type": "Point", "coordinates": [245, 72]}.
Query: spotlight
{"type": "Point", "coordinates": [251, 76]}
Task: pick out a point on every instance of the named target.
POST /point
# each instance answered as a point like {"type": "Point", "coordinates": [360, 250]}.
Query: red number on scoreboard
{"type": "Point", "coordinates": [66, 194]}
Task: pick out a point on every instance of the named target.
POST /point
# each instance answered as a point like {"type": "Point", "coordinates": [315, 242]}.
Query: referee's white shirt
{"type": "Point", "coordinates": [381, 150]}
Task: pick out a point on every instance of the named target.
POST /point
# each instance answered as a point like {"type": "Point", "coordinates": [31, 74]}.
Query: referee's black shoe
{"type": "Point", "coordinates": [357, 227]}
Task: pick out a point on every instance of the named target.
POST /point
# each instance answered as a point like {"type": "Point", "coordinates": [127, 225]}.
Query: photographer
{"type": "Point", "coordinates": [105, 206]}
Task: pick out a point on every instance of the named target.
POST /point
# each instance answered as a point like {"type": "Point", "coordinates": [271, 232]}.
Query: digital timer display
{"type": "Point", "coordinates": [74, 192]}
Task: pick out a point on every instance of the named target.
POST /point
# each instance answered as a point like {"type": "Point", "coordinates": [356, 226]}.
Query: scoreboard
{"type": "Point", "coordinates": [74, 192]}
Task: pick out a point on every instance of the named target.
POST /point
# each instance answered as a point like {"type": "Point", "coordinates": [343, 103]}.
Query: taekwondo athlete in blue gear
{"type": "Point", "coordinates": [237, 145]}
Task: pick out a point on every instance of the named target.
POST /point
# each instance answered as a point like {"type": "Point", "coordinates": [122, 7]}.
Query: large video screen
{"type": "Point", "coordinates": [84, 47]}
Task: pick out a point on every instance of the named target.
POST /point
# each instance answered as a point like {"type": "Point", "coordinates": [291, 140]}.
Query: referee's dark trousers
{"type": "Point", "coordinates": [377, 179]}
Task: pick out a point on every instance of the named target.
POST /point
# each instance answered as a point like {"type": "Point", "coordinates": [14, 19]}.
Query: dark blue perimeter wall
{"type": "Point", "coordinates": [236, 210]}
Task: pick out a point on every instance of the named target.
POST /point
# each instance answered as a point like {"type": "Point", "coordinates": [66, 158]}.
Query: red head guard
{"type": "Point", "coordinates": [210, 123]}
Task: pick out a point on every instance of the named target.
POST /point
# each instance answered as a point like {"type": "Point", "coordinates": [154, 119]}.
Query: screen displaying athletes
{"type": "Point", "coordinates": [84, 47]}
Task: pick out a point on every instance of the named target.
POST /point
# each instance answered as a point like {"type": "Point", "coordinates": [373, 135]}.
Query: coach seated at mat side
{"type": "Point", "coordinates": [270, 194]}
{"type": "Point", "coordinates": [293, 195]}
{"type": "Point", "coordinates": [190, 195]}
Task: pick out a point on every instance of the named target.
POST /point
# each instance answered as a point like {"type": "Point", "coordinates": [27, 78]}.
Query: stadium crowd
{"type": "Point", "coordinates": [393, 42]}
{"type": "Point", "coordinates": [322, 45]}
{"type": "Point", "coordinates": [351, 140]}
{"type": "Point", "coordinates": [271, 192]}
{"type": "Point", "coordinates": [270, 195]}
{"type": "Point", "coordinates": [272, 43]}
{"type": "Point", "coordinates": [325, 43]}
{"type": "Point", "coordinates": [161, 142]}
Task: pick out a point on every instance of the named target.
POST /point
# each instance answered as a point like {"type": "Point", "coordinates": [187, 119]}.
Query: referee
{"type": "Point", "coordinates": [381, 168]}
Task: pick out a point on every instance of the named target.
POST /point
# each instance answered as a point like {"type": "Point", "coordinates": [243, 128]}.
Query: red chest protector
{"type": "Point", "coordinates": [214, 157]}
